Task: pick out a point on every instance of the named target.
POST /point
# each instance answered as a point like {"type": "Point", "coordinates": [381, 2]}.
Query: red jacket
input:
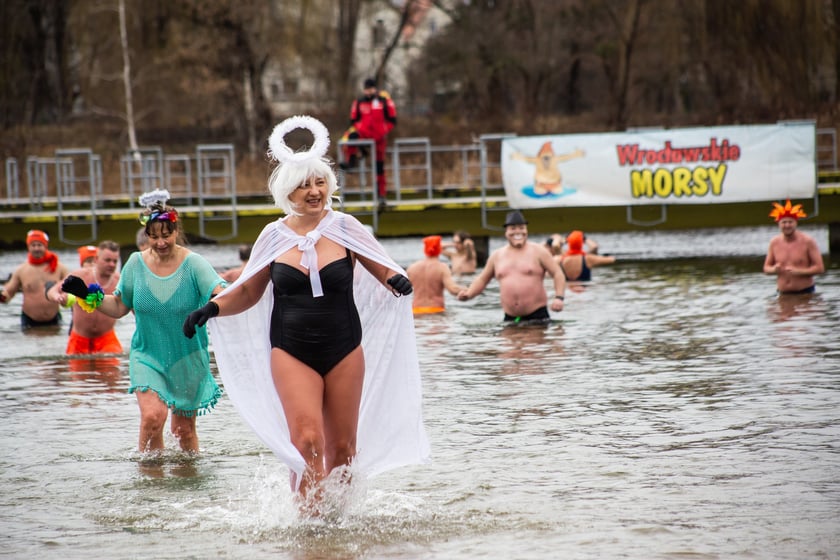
{"type": "Point", "coordinates": [374, 118]}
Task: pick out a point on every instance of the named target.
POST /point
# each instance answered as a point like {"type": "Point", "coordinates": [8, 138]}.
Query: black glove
{"type": "Point", "coordinates": [199, 317]}
{"type": "Point", "coordinates": [401, 284]}
{"type": "Point", "coordinates": [76, 286]}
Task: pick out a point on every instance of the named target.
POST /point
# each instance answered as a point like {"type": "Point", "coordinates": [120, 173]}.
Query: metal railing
{"type": "Point", "coordinates": [417, 172]}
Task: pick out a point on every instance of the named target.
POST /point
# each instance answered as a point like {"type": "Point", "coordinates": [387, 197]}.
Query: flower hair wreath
{"type": "Point", "coordinates": [279, 151]}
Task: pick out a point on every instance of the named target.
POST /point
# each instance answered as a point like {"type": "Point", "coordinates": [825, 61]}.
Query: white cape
{"type": "Point", "coordinates": [390, 432]}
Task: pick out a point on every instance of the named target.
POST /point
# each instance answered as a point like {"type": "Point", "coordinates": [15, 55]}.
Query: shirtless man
{"type": "Point", "coordinates": [430, 277]}
{"type": "Point", "coordinates": [520, 267]}
{"type": "Point", "coordinates": [793, 256]}
{"type": "Point", "coordinates": [31, 277]}
{"type": "Point", "coordinates": [93, 333]}
{"type": "Point", "coordinates": [461, 254]}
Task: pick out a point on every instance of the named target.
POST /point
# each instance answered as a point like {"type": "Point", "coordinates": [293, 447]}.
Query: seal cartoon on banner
{"type": "Point", "coordinates": [548, 181]}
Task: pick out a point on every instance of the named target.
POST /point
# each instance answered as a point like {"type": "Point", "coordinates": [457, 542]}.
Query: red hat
{"type": "Point", "coordinates": [431, 245]}
{"type": "Point", "coordinates": [86, 252]}
{"type": "Point", "coordinates": [37, 235]}
{"type": "Point", "coordinates": [787, 211]}
{"type": "Point", "coordinates": [575, 240]}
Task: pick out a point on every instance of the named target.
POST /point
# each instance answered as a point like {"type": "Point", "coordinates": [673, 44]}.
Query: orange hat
{"type": "Point", "coordinates": [86, 252]}
{"type": "Point", "coordinates": [575, 240]}
{"type": "Point", "coordinates": [431, 245]}
{"type": "Point", "coordinates": [787, 211]}
{"type": "Point", "coordinates": [37, 235]}
{"type": "Point", "coordinates": [546, 149]}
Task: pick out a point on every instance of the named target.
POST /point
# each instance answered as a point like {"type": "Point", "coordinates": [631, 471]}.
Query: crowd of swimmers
{"type": "Point", "coordinates": [313, 331]}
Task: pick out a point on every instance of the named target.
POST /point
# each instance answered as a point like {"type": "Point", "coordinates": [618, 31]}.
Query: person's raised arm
{"type": "Point", "coordinates": [90, 297]}
{"type": "Point", "coordinates": [477, 286]}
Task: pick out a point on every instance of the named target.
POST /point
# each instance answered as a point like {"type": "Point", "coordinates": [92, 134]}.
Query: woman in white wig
{"type": "Point", "coordinates": [314, 343]}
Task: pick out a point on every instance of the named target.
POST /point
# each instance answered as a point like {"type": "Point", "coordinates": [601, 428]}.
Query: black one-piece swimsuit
{"type": "Point", "coordinates": [318, 331]}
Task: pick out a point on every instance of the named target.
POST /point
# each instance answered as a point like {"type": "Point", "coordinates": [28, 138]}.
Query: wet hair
{"type": "Point", "coordinates": [245, 252]}
{"type": "Point", "coordinates": [287, 177]}
{"type": "Point", "coordinates": [462, 234]}
{"type": "Point", "coordinates": [109, 245]}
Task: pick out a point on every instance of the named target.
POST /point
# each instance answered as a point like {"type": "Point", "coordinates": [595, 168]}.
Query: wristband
{"type": "Point", "coordinates": [47, 285]}
{"type": "Point", "coordinates": [561, 298]}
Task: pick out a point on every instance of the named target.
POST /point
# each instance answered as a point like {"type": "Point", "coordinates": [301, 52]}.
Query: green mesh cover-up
{"type": "Point", "coordinates": [162, 359]}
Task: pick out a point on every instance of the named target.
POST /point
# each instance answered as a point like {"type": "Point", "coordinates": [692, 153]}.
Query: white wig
{"type": "Point", "coordinates": [288, 176]}
{"type": "Point", "coordinates": [295, 168]}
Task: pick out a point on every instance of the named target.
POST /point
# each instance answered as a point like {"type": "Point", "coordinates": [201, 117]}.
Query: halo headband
{"type": "Point", "coordinates": [149, 199]}
{"type": "Point", "coordinates": [279, 151]}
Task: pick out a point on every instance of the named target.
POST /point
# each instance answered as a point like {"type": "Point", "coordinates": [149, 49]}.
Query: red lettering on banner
{"type": "Point", "coordinates": [632, 154]}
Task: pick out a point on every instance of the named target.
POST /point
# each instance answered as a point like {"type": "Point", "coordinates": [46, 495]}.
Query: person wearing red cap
{"type": "Point", "coordinates": [576, 263]}
{"type": "Point", "coordinates": [520, 267]}
{"type": "Point", "coordinates": [31, 277]}
{"type": "Point", "coordinates": [793, 256]}
{"type": "Point", "coordinates": [92, 333]}
{"type": "Point", "coordinates": [87, 255]}
{"type": "Point", "coordinates": [430, 277]}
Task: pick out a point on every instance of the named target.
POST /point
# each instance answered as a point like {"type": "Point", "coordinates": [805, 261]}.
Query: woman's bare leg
{"type": "Point", "coordinates": [301, 390]}
{"type": "Point", "coordinates": [153, 414]}
{"type": "Point", "coordinates": [342, 398]}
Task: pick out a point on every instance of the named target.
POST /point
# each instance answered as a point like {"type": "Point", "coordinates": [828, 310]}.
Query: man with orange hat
{"type": "Point", "coordinates": [87, 255]}
{"type": "Point", "coordinates": [430, 277]}
{"type": "Point", "coordinates": [31, 277]}
{"type": "Point", "coordinates": [793, 256]}
{"type": "Point", "coordinates": [92, 333]}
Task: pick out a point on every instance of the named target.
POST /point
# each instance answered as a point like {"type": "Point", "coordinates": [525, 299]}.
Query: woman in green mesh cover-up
{"type": "Point", "coordinates": [168, 371]}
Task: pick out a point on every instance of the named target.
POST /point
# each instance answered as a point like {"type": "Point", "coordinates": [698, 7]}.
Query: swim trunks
{"type": "Point", "coordinates": [108, 343]}
{"type": "Point", "coordinates": [540, 314]}
{"type": "Point", "coordinates": [27, 322]}
{"type": "Point", "coordinates": [809, 290]}
{"type": "Point", "coordinates": [424, 310]}
{"type": "Point", "coordinates": [318, 331]}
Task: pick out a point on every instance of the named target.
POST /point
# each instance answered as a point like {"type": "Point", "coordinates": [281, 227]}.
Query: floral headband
{"type": "Point", "coordinates": [165, 216]}
{"type": "Point", "coordinates": [151, 199]}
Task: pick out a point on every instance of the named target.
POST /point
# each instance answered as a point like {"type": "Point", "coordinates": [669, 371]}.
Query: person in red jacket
{"type": "Point", "coordinates": [372, 116]}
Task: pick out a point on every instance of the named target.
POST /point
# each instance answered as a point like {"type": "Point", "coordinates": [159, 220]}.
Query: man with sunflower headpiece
{"type": "Point", "coordinates": [793, 256]}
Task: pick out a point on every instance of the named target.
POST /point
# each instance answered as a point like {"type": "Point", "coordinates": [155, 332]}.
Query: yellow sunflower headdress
{"type": "Point", "coordinates": [787, 211]}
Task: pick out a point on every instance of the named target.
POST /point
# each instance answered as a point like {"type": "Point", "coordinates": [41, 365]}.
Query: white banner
{"type": "Point", "coordinates": [676, 166]}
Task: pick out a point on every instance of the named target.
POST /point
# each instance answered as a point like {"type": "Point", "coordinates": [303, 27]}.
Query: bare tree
{"type": "Point", "coordinates": [129, 98]}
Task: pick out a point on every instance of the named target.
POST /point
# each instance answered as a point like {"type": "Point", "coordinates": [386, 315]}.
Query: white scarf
{"type": "Point", "coordinates": [391, 432]}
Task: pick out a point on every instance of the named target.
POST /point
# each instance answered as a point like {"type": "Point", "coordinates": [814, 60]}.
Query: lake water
{"type": "Point", "coordinates": [675, 409]}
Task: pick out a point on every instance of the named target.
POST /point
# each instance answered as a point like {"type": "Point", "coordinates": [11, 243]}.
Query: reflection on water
{"type": "Point", "coordinates": [676, 408]}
